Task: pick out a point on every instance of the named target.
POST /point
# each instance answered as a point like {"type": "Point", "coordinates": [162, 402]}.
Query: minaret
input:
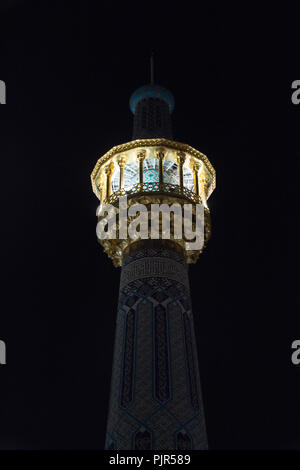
{"type": "Point", "coordinates": [155, 400]}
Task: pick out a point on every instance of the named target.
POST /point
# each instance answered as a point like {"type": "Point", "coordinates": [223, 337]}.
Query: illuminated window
{"type": "Point", "coordinates": [151, 174]}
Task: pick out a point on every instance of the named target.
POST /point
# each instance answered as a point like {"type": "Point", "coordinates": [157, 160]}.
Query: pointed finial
{"type": "Point", "coordinates": [152, 68]}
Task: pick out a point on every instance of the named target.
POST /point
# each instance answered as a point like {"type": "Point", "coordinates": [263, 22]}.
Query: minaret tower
{"type": "Point", "coordinates": [155, 400]}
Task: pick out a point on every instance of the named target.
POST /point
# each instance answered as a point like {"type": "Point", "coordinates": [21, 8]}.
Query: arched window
{"type": "Point", "coordinates": [131, 177]}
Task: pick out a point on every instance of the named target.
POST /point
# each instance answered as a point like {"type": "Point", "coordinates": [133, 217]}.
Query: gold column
{"type": "Point", "coordinates": [160, 154]}
{"type": "Point", "coordinates": [122, 162]}
{"type": "Point", "coordinates": [141, 157]}
{"type": "Point", "coordinates": [196, 168]}
{"type": "Point", "coordinates": [108, 171]}
{"type": "Point", "coordinates": [204, 187]}
{"type": "Point", "coordinates": [100, 186]}
{"type": "Point", "coordinates": [180, 161]}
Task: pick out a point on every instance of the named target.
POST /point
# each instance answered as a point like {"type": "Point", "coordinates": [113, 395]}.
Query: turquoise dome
{"type": "Point", "coordinates": [151, 91]}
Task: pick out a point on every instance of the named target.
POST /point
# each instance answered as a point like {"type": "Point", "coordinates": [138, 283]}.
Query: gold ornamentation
{"type": "Point", "coordinates": [154, 192]}
{"type": "Point", "coordinates": [196, 167]}
{"type": "Point", "coordinates": [155, 189]}
{"type": "Point", "coordinates": [115, 248]}
{"type": "Point", "coordinates": [141, 155]}
{"type": "Point", "coordinates": [108, 171]}
{"type": "Point", "coordinates": [160, 154]}
{"type": "Point", "coordinates": [181, 156]}
{"type": "Point", "coordinates": [122, 160]}
{"type": "Point", "coordinates": [180, 160]}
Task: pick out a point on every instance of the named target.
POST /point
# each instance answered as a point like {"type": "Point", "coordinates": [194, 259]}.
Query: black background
{"type": "Point", "coordinates": [70, 68]}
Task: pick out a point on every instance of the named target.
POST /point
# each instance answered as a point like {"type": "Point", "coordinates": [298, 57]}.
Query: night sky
{"type": "Point", "coordinates": [69, 72]}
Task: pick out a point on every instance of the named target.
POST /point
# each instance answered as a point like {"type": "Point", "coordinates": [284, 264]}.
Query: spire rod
{"type": "Point", "coordinates": [152, 68]}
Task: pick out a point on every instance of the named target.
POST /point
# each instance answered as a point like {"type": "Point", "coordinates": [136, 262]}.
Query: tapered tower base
{"type": "Point", "coordinates": [156, 398]}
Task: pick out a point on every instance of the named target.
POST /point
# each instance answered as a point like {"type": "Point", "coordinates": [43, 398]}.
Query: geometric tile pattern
{"type": "Point", "coordinates": [161, 354]}
{"type": "Point", "coordinates": [155, 400]}
{"type": "Point", "coordinates": [128, 363]}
